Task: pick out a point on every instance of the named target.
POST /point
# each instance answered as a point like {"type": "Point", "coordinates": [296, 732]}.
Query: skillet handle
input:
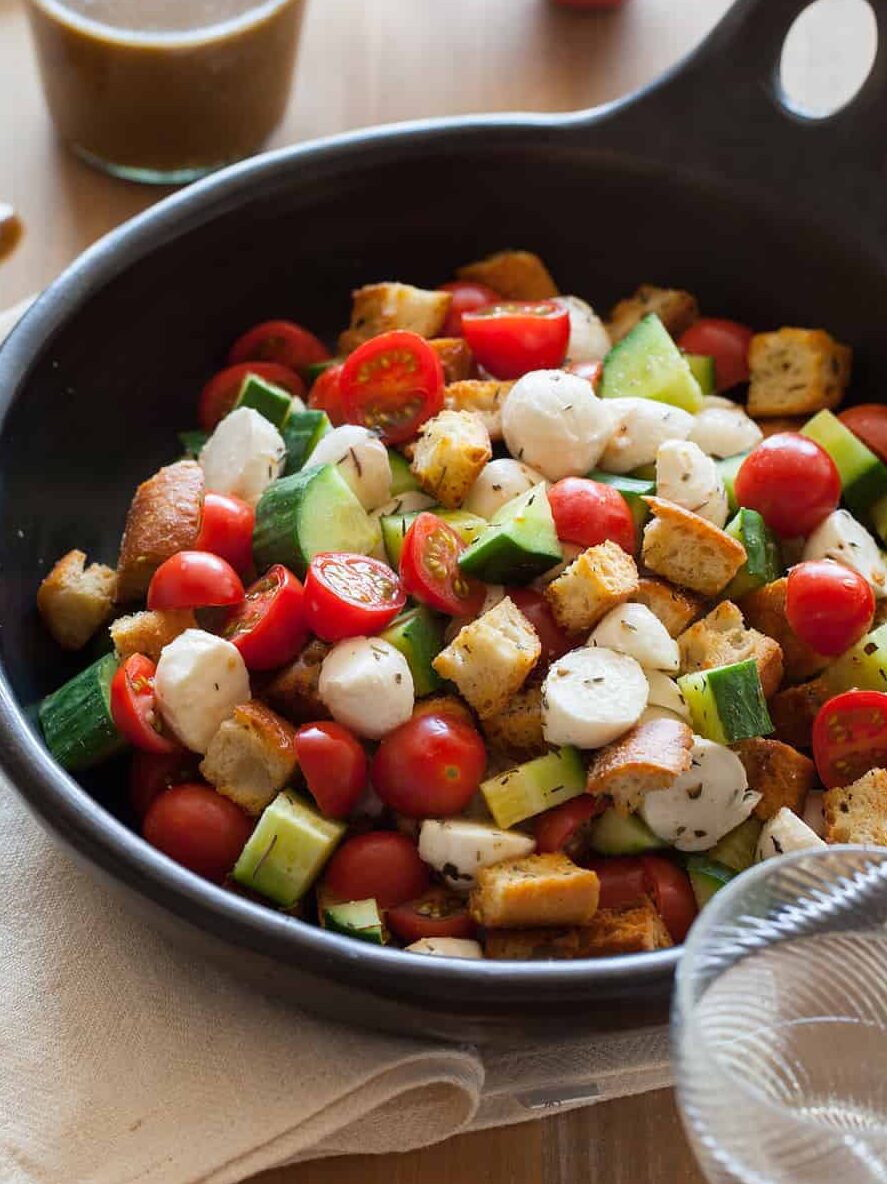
{"type": "Point", "coordinates": [719, 112]}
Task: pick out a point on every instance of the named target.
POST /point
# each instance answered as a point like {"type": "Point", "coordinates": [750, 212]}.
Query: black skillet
{"type": "Point", "coordinates": [702, 181]}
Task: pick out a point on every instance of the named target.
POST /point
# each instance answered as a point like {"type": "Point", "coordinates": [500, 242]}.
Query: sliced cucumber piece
{"type": "Point", "coordinates": [863, 666]}
{"type": "Point", "coordinates": [301, 433]}
{"type": "Point", "coordinates": [863, 475]}
{"type": "Point", "coordinates": [762, 564]}
{"type": "Point", "coordinates": [312, 511]}
{"type": "Point", "coordinates": [634, 490]}
{"type": "Point", "coordinates": [534, 786]}
{"type": "Point", "coordinates": [620, 834]}
{"type": "Point", "coordinates": [519, 544]}
{"type": "Point", "coordinates": [728, 469]}
{"type": "Point", "coordinates": [402, 479]}
{"type": "Point", "coordinates": [76, 719]}
{"type": "Point", "coordinates": [286, 851]}
{"type": "Point", "coordinates": [645, 472]}
{"type": "Point", "coordinates": [727, 702]}
{"type": "Point", "coordinates": [269, 400]}
{"type": "Point", "coordinates": [737, 848]}
{"type": "Point", "coordinates": [356, 918]}
{"type": "Point", "coordinates": [192, 442]}
{"type": "Point", "coordinates": [647, 364]}
{"type": "Point", "coordinates": [707, 877]}
{"type": "Point", "coordinates": [702, 367]}
{"type": "Point", "coordinates": [418, 634]}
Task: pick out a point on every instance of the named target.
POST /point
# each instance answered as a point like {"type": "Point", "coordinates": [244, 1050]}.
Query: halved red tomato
{"type": "Point", "coordinates": [429, 568]}
{"type": "Point", "coordinates": [220, 393]}
{"type": "Point", "coordinates": [850, 737]}
{"type": "Point", "coordinates": [269, 626]}
{"type": "Point", "coordinates": [194, 579]}
{"type": "Point", "coordinates": [284, 342]}
{"type": "Point", "coordinates": [672, 893]}
{"type": "Point", "coordinates": [349, 595]}
{"type": "Point", "coordinates": [438, 913]}
{"type": "Point", "coordinates": [392, 384]}
{"type": "Point", "coordinates": [554, 640]}
{"type": "Point", "coordinates": [622, 878]}
{"type": "Point", "coordinates": [511, 339]}
{"type": "Point", "coordinates": [326, 394]}
{"type": "Point", "coordinates": [565, 827]}
{"type": "Point", "coordinates": [152, 773]}
{"type": "Point", "coordinates": [226, 529]}
{"type": "Point", "coordinates": [467, 297]}
{"type": "Point", "coordinates": [133, 709]}
{"type": "Point", "coordinates": [725, 341]}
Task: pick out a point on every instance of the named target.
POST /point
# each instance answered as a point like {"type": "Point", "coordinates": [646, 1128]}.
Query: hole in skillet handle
{"type": "Point", "coordinates": [827, 55]}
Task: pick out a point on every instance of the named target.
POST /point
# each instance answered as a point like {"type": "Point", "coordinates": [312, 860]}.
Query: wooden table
{"type": "Point", "coordinates": [364, 62]}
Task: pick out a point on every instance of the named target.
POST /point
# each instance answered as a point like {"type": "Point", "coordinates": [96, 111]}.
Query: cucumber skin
{"type": "Point", "coordinates": [337, 919]}
{"type": "Point", "coordinates": [63, 714]}
{"type": "Point", "coordinates": [272, 402]}
{"type": "Point", "coordinates": [863, 475]}
{"type": "Point", "coordinates": [737, 848]}
{"type": "Point", "coordinates": [662, 360]}
{"type": "Point", "coordinates": [762, 564]}
{"type": "Point", "coordinates": [519, 544]}
{"type": "Point", "coordinates": [301, 435]}
{"type": "Point", "coordinates": [192, 442]}
{"type": "Point", "coordinates": [707, 877]}
{"type": "Point", "coordinates": [733, 696]}
{"type": "Point", "coordinates": [418, 634]}
{"type": "Point", "coordinates": [615, 834]}
{"type": "Point", "coordinates": [402, 479]}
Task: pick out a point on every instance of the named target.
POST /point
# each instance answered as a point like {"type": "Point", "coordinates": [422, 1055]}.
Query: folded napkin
{"type": "Point", "coordinates": [124, 1060]}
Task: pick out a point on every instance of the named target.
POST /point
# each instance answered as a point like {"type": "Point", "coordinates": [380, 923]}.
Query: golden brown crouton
{"type": "Point", "coordinates": [490, 657]}
{"type": "Point", "coordinates": [484, 398]}
{"type": "Point", "coordinates": [251, 757]}
{"type": "Point", "coordinates": [796, 372]}
{"type": "Point", "coordinates": [782, 423]}
{"type": "Point", "coordinates": [293, 690]}
{"type": "Point", "coordinates": [533, 891]}
{"type": "Point", "coordinates": [721, 638]}
{"type": "Point", "coordinates": [857, 813]}
{"type": "Point", "coordinates": [379, 308]}
{"type": "Point", "coordinates": [163, 518]}
{"type": "Point", "coordinates": [793, 710]}
{"type": "Point", "coordinates": [676, 309]}
{"type": "Point", "coordinates": [630, 930]}
{"type": "Point", "coordinates": [647, 758]}
{"type": "Point", "coordinates": [449, 454]}
{"type": "Point", "coordinates": [148, 632]}
{"type": "Point", "coordinates": [675, 607]}
{"type": "Point", "coordinates": [688, 550]}
{"type": "Point", "coordinates": [596, 581]}
{"type": "Point", "coordinates": [74, 602]}
{"type": "Point", "coordinates": [456, 359]}
{"type": "Point", "coordinates": [515, 732]}
{"type": "Point", "coordinates": [445, 705]}
{"type": "Point", "coordinates": [764, 609]}
{"type": "Point", "coordinates": [779, 773]}
{"type": "Point", "coordinates": [516, 275]}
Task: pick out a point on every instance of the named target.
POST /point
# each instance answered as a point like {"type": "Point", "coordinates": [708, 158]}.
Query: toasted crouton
{"type": "Point", "coordinates": [251, 757]}
{"type": "Point", "coordinates": [779, 773]}
{"type": "Point", "coordinates": [536, 890]}
{"type": "Point", "coordinates": [490, 657]}
{"type": "Point", "coordinates": [449, 454]}
{"type": "Point", "coordinates": [456, 359]}
{"type": "Point", "coordinates": [675, 607]}
{"type": "Point", "coordinates": [676, 309]}
{"type": "Point", "coordinates": [148, 632]}
{"type": "Point", "coordinates": [857, 813]}
{"type": "Point", "coordinates": [722, 638]}
{"type": "Point", "coordinates": [598, 580]}
{"type": "Point", "coordinates": [646, 759]}
{"type": "Point", "coordinates": [630, 930]}
{"type": "Point", "coordinates": [484, 398]}
{"type": "Point", "coordinates": [796, 372]}
{"type": "Point", "coordinates": [516, 275]}
{"type": "Point", "coordinates": [379, 308]}
{"type": "Point", "coordinates": [74, 601]}
{"type": "Point", "coordinates": [688, 550]}
{"type": "Point", "coordinates": [764, 609]}
{"type": "Point", "coordinates": [293, 690]}
{"type": "Point", "coordinates": [515, 732]}
{"type": "Point", "coordinates": [163, 518]}
{"type": "Point", "coordinates": [793, 710]}
{"type": "Point", "coordinates": [781, 423]}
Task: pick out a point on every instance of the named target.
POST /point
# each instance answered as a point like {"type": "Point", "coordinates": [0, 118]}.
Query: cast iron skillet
{"type": "Point", "coordinates": [703, 181]}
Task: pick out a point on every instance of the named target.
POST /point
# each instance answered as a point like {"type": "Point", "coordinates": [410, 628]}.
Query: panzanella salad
{"type": "Point", "coordinates": [507, 632]}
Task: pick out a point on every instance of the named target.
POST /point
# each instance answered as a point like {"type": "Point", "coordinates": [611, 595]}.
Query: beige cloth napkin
{"type": "Point", "coordinates": [124, 1061]}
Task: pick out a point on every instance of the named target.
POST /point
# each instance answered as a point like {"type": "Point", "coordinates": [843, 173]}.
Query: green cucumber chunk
{"type": "Point", "coordinates": [519, 544]}
{"type": "Point", "coordinates": [645, 472]}
{"type": "Point", "coordinates": [727, 703]}
{"type": "Point", "coordinates": [311, 511]}
{"type": "Point", "coordinates": [269, 400]}
{"type": "Point", "coordinates": [192, 443]}
{"type": "Point", "coordinates": [402, 479]}
{"type": "Point", "coordinates": [534, 786]}
{"type": "Point", "coordinates": [76, 719]}
{"type": "Point", "coordinates": [418, 634]}
{"type": "Point", "coordinates": [762, 564]}
{"type": "Point", "coordinates": [737, 848]}
{"type": "Point", "coordinates": [647, 364]}
{"type": "Point", "coordinates": [863, 475]}
{"type": "Point", "coordinates": [728, 469]}
{"type": "Point", "coordinates": [702, 367]}
{"type": "Point", "coordinates": [285, 853]}
{"type": "Point", "coordinates": [863, 666]}
{"type": "Point", "coordinates": [634, 490]}
{"type": "Point", "coordinates": [356, 918]}
{"type": "Point", "coordinates": [301, 433]}
{"type": "Point", "coordinates": [619, 834]}
{"type": "Point", "coordinates": [707, 877]}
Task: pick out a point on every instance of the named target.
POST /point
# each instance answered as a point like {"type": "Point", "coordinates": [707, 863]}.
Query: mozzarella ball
{"type": "Point", "coordinates": [361, 458]}
{"type": "Point", "coordinates": [842, 538]}
{"type": "Point", "coordinates": [592, 696]}
{"type": "Point", "coordinates": [589, 339]}
{"type": "Point", "coordinates": [498, 483]}
{"type": "Point", "coordinates": [723, 429]}
{"type": "Point", "coordinates": [404, 503]}
{"type": "Point", "coordinates": [785, 832]}
{"type": "Point", "coordinates": [634, 630]}
{"type": "Point", "coordinates": [640, 426]}
{"type": "Point", "coordinates": [665, 693]}
{"type": "Point", "coordinates": [446, 947]}
{"type": "Point", "coordinates": [689, 478]}
{"type": "Point", "coordinates": [367, 686]}
{"type": "Point", "coordinates": [243, 455]}
{"type": "Point", "coordinates": [200, 679]}
{"type": "Point", "coordinates": [555, 422]}
{"type": "Point", "coordinates": [459, 847]}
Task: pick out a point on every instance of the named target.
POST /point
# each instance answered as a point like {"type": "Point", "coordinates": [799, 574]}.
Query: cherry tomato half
{"type": "Point", "coordinates": [565, 827]}
{"type": "Point", "coordinates": [438, 913]}
{"type": "Point", "coordinates": [152, 773]}
{"type": "Point", "coordinates": [791, 482]}
{"type": "Point", "coordinates": [392, 384]}
{"type": "Point", "coordinates": [283, 342]}
{"type": "Point", "coordinates": [467, 297]}
{"type": "Point", "coordinates": [429, 767]}
{"type": "Point", "coordinates": [622, 878]}
{"type": "Point", "coordinates": [269, 626]}
{"type": "Point", "coordinates": [590, 370]}
{"type": "Point", "coordinates": [194, 579]}
{"type": "Point", "coordinates": [588, 512]}
{"type": "Point", "coordinates": [868, 422]}
{"type": "Point", "coordinates": [850, 736]}
{"type": "Point", "coordinates": [381, 865]}
{"type": "Point", "coordinates": [349, 595]}
{"type": "Point", "coordinates": [554, 640]}
{"type": "Point", "coordinates": [226, 529]}
{"type": "Point", "coordinates": [828, 605]}
{"type": "Point", "coordinates": [511, 339]}
{"type": "Point", "coordinates": [725, 341]}
{"type": "Point", "coordinates": [133, 709]}
{"type": "Point", "coordinates": [672, 893]}
{"type": "Point", "coordinates": [220, 393]}
{"type": "Point", "coordinates": [334, 766]}
{"type": "Point", "coordinates": [429, 568]}
{"type": "Point", "coordinates": [199, 829]}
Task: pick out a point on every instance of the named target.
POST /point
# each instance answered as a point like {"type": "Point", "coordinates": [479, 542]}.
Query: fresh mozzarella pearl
{"type": "Point", "coordinates": [665, 692]}
{"type": "Point", "coordinates": [842, 538]}
{"type": "Point", "coordinates": [200, 679]}
{"type": "Point", "coordinates": [640, 426]}
{"type": "Point", "coordinates": [447, 947]}
{"type": "Point", "coordinates": [459, 847]}
{"type": "Point", "coordinates": [814, 812]}
{"type": "Point", "coordinates": [591, 696]}
{"type": "Point", "coordinates": [555, 422]}
{"type": "Point", "coordinates": [785, 832]}
{"type": "Point", "coordinates": [589, 339]}
{"type": "Point", "coordinates": [723, 429]}
{"type": "Point", "coordinates": [404, 503]}
{"type": "Point", "coordinates": [243, 455]}
{"type": "Point", "coordinates": [361, 458]}
{"type": "Point", "coordinates": [498, 483]}
{"type": "Point", "coordinates": [689, 478]}
{"type": "Point", "coordinates": [634, 630]}
{"type": "Point", "coordinates": [367, 686]}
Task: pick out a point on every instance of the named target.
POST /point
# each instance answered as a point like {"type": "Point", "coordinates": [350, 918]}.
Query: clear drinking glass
{"type": "Point", "coordinates": [779, 1023]}
{"type": "Point", "coordinates": [165, 90]}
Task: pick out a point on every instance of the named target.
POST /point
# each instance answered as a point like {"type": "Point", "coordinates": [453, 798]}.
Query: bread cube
{"type": "Point", "coordinates": [74, 600]}
{"type": "Point", "coordinates": [449, 454]}
{"type": "Point", "coordinates": [251, 757]}
{"type": "Point", "coordinates": [515, 275]}
{"type": "Point", "coordinates": [646, 759]}
{"type": "Point", "coordinates": [148, 632]}
{"type": "Point", "coordinates": [163, 518]}
{"type": "Point", "coordinates": [483, 397]}
{"type": "Point", "coordinates": [675, 607]}
{"type": "Point", "coordinates": [688, 550]}
{"type": "Point", "coordinates": [599, 579]}
{"type": "Point", "coordinates": [779, 773]}
{"type": "Point", "coordinates": [379, 308]}
{"type": "Point", "coordinates": [857, 813]}
{"type": "Point", "coordinates": [675, 308]}
{"type": "Point", "coordinates": [796, 372]}
{"type": "Point", "coordinates": [537, 890]}
{"type": "Point", "coordinates": [721, 638]}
